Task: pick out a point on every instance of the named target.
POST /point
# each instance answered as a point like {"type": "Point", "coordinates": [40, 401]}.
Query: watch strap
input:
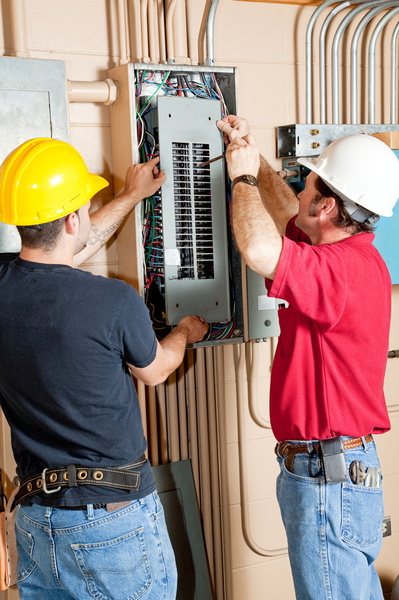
{"type": "Point", "coordinates": [248, 179]}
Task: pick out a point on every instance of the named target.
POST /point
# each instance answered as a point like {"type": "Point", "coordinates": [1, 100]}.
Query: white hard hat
{"type": "Point", "coordinates": [360, 169]}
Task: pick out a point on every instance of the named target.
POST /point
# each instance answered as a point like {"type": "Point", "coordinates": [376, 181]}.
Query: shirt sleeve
{"type": "Point", "coordinates": [313, 280]}
{"type": "Point", "coordinates": [134, 327]}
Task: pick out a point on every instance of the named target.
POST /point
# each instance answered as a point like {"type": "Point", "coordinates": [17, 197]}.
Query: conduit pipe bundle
{"type": "Point", "coordinates": [374, 7]}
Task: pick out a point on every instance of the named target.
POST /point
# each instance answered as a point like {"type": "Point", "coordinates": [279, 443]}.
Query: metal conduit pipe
{"type": "Point", "coordinates": [144, 31]}
{"type": "Point", "coordinates": [181, 395]}
{"type": "Point", "coordinates": [354, 52]}
{"type": "Point", "coordinates": [210, 33]}
{"type": "Point", "coordinates": [192, 421]}
{"type": "Point", "coordinates": [309, 58]}
{"type": "Point", "coordinates": [135, 41]}
{"type": "Point", "coordinates": [141, 397]}
{"type": "Point", "coordinates": [252, 395]}
{"type": "Point", "coordinates": [161, 31]}
{"type": "Point", "coordinates": [123, 59]}
{"type": "Point", "coordinates": [206, 498]}
{"type": "Point", "coordinates": [18, 30]}
{"type": "Point", "coordinates": [153, 36]}
{"type": "Point", "coordinates": [322, 58]}
{"type": "Point", "coordinates": [153, 426]}
{"type": "Point", "coordinates": [170, 48]}
{"type": "Point", "coordinates": [373, 41]}
{"type": "Point", "coordinates": [335, 55]}
{"type": "Point", "coordinates": [224, 505]}
{"type": "Point", "coordinates": [245, 517]}
{"type": "Point", "coordinates": [173, 418]}
{"type": "Point", "coordinates": [163, 427]}
{"type": "Point", "coordinates": [394, 54]}
{"type": "Point", "coordinates": [105, 92]}
{"type": "Point", "coordinates": [215, 467]}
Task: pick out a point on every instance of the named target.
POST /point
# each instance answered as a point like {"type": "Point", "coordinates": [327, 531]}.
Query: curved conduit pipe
{"type": "Point", "coordinates": [322, 57]}
{"type": "Point", "coordinates": [309, 57]}
{"type": "Point", "coordinates": [394, 54]}
{"type": "Point", "coordinates": [210, 33]}
{"type": "Point", "coordinates": [252, 395]}
{"type": "Point", "coordinates": [335, 52]}
{"type": "Point", "coordinates": [354, 52]}
{"type": "Point", "coordinates": [373, 42]}
{"type": "Point", "coordinates": [242, 454]}
{"type": "Point", "coordinates": [170, 46]}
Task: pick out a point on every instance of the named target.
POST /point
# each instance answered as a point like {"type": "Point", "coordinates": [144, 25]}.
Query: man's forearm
{"type": "Point", "coordinates": [277, 196]}
{"type": "Point", "coordinates": [104, 222]}
{"type": "Point", "coordinates": [255, 232]}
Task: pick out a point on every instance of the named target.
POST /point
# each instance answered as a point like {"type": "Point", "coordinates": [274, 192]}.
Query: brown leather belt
{"type": "Point", "coordinates": [286, 448]}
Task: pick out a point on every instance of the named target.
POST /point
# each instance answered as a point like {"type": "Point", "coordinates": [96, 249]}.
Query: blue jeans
{"type": "Point", "coordinates": [334, 530]}
{"type": "Point", "coordinates": [121, 555]}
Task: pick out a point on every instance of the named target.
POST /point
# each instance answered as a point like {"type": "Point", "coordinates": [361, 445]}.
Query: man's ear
{"type": "Point", "coordinates": [328, 205]}
{"type": "Point", "coordinates": [72, 223]}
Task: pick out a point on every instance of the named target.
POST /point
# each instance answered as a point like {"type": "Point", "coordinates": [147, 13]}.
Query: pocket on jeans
{"type": "Point", "coordinates": [362, 515]}
{"type": "Point", "coordinates": [116, 569]}
{"type": "Point", "coordinates": [25, 544]}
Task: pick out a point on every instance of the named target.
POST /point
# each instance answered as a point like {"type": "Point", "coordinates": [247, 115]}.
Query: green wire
{"type": "Point", "coordinates": [151, 97]}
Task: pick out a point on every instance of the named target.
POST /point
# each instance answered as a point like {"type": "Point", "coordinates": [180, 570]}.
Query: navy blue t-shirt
{"type": "Point", "coordinates": [65, 338]}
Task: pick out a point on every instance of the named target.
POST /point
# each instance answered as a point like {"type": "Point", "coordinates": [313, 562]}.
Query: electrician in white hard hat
{"type": "Point", "coordinates": [326, 396]}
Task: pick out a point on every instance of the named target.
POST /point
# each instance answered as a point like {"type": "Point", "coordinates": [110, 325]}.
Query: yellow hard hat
{"type": "Point", "coordinates": [43, 180]}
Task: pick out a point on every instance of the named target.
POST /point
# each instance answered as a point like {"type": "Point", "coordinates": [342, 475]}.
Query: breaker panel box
{"type": "Point", "coordinates": [193, 199]}
{"type": "Point", "coordinates": [176, 248]}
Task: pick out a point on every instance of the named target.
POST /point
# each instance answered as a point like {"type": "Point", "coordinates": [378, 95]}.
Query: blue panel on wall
{"type": "Point", "coordinates": [387, 240]}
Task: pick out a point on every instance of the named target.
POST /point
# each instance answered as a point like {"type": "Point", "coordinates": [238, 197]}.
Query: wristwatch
{"type": "Point", "coordinates": [249, 179]}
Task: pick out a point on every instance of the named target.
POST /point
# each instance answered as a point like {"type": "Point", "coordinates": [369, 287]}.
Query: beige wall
{"type": "Point", "coordinates": [266, 44]}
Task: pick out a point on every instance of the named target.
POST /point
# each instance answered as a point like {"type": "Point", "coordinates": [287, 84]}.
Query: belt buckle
{"type": "Point", "coordinates": [45, 488]}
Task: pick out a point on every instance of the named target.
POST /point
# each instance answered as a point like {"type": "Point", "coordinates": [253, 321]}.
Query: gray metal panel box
{"type": "Point", "coordinates": [33, 103]}
{"type": "Point", "coordinates": [193, 210]}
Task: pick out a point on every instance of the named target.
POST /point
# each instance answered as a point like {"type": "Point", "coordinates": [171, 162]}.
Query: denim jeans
{"type": "Point", "coordinates": [334, 530]}
{"type": "Point", "coordinates": [121, 555]}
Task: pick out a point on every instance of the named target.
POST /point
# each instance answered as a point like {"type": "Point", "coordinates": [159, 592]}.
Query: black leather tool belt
{"type": "Point", "coordinates": [53, 480]}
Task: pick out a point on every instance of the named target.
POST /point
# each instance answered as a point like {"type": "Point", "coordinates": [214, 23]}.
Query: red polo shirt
{"type": "Point", "coordinates": [328, 372]}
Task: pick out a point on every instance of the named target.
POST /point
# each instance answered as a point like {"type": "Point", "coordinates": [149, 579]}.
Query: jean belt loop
{"type": "Point", "coordinates": [364, 443]}
{"type": "Point", "coordinates": [310, 447]}
{"type": "Point", "coordinates": [90, 511]}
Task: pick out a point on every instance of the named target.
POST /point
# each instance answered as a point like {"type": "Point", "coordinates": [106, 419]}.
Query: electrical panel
{"type": "Point", "coordinates": [193, 200]}
{"type": "Point", "coordinates": [176, 248]}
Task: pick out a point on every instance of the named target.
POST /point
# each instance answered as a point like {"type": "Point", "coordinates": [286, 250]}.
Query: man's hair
{"type": "Point", "coordinates": [343, 219]}
{"type": "Point", "coordinates": [43, 236]}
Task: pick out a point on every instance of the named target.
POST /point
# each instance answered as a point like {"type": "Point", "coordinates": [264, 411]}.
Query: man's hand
{"type": "Point", "coordinates": [233, 127]}
{"type": "Point", "coordinates": [195, 327]}
{"type": "Point", "coordinates": [142, 180]}
{"type": "Point", "coordinates": [242, 156]}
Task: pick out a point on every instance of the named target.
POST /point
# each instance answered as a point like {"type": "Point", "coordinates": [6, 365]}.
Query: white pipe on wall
{"type": "Point", "coordinates": [252, 392]}
{"type": "Point", "coordinates": [144, 31]}
{"type": "Point", "coordinates": [123, 59]}
{"type": "Point", "coordinates": [92, 91]}
{"type": "Point", "coordinates": [153, 37]}
{"type": "Point", "coordinates": [243, 462]}
{"type": "Point", "coordinates": [18, 30]}
{"type": "Point", "coordinates": [161, 31]}
{"type": "Point", "coordinates": [135, 37]}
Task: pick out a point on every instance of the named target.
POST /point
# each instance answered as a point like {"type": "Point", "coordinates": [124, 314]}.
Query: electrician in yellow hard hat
{"type": "Point", "coordinates": [69, 342]}
{"type": "Point", "coordinates": [326, 395]}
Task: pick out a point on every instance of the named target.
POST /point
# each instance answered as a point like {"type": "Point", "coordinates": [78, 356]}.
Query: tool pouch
{"type": "Point", "coordinates": [8, 545]}
{"type": "Point", "coordinates": [332, 455]}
